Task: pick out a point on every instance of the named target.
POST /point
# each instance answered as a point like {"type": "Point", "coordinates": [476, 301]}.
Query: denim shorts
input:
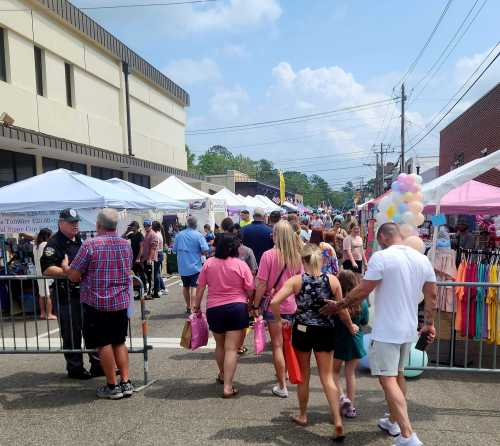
{"type": "Point", "coordinates": [269, 317]}
{"type": "Point", "coordinates": [229, 317]}
{"type": "Point", "coordinates": [190, 281]}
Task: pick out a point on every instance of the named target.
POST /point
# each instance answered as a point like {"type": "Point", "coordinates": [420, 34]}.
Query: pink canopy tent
{"type": "Point", "coordinates": [472, 197]}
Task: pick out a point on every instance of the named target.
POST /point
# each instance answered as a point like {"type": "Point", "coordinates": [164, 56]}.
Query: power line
{"type": "Point", "coordinates": [421, 52]}
{"type": "Point", "coordinates": [145, 5]}
{"type": "Point", "coordinates": [461, 97]}
{"type": "Point", "coordinates": [435, 68]}
{"type": "Point", "coordinates": [292, 119]}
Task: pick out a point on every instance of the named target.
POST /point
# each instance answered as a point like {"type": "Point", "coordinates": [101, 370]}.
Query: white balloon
{"type": "Point", "coordinates": [384, 203]}
{"type": "Point", "coordinates": [419, 219]}
{"type": "Point", "coordinates": [409, 218]}
{"type": "Point", "coordinates": [406, 230]}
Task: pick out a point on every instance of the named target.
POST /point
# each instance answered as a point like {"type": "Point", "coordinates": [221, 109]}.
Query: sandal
{"type": "Point", "coordinates": [351, 412]}
{"type": "Point", "coordinates": [219, 380]}
{"type": "Point", "coordinates": [231, 395]}
{"type": "Point", "coordinates": [299, 422]}
{"type": "Point", "coordinates": [345, 405]}
{"type": "Point", "coordinates": [339, 434]}
{"type": "Point", "coordinates": [242, 350]}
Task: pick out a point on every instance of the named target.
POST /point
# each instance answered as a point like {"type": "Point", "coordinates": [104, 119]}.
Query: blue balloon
{"type": "Point", "coordinates": [403, 207]}
{"type": "Point", "coordinates": [396, 187]}
{"type": "Point", "coordinates": [397, 218]}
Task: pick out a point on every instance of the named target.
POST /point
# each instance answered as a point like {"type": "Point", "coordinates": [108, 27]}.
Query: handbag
{"type": "Point", "coordinates": [199, 330]}
{"type": "Point", "coordinates": [264, 305]}
{"type": "Point", "coordinates": [259, 335]}
{"type": "Point", "coordinates": [291, 361]}
{"type": "Point", "coordinates": [186, 335]}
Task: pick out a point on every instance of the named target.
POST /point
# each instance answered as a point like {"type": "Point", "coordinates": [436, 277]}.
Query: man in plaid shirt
{"type": "Point", "coordinates": [103, 265]}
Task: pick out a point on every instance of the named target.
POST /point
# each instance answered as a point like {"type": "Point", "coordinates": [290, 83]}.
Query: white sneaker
{"type": "Point", "coordinates": [410, 441]}
{"type": "Point", "coordinates": [278, 391]}
{"type": "Point", "coordinates": [387, 426]}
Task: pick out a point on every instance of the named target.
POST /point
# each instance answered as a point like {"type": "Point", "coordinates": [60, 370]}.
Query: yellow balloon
{"type": "Point", "coordinates": [418, 197]}
{"type": "Point", "coordinates": [419, 220]}
{"type": "Point", "coordinates": [391, 210]}
{"type": "Point", "coordinates": [415, 242]}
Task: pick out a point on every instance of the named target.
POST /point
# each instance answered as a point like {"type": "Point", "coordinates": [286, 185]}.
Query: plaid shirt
{"type": "Point", "coordinates": [105, 263]}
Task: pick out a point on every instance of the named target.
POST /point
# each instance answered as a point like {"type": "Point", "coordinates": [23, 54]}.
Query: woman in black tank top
{"type": "Point", "coordinates": [313, 332]}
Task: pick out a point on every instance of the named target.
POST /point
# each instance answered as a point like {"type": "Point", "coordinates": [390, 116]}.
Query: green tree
{"type": "Point", "coordinates": [191, 159]}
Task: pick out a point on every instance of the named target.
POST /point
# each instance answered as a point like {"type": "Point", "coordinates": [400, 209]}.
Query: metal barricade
{"type": "Point", "coordinates": [22, 331]}
{"type": "Point", "coordinates": [467, 329]}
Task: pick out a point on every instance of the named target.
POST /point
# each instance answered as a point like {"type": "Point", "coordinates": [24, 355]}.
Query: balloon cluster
{"type": "Point", "coordinates": [403, 205]}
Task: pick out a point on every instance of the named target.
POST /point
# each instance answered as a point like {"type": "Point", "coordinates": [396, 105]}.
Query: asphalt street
{"type": "Point", "coordinates": [40, 406]}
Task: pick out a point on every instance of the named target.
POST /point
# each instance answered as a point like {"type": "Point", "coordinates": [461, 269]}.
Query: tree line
{"type": "Point", "coordinates": [217, 160]}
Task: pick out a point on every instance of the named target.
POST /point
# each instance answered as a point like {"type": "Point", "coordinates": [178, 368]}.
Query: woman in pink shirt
{"type": "Point", "coordinates": [276, 267]}
{"type": "Point", "coordinates": [230, 283]}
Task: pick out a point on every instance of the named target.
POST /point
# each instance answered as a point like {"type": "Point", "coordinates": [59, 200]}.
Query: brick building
{"type": "Point", "coordinates": [467, 137]}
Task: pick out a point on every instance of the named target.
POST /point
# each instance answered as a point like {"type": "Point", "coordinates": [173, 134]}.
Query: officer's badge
{"type": "Point", "coordinates": [49, 252]}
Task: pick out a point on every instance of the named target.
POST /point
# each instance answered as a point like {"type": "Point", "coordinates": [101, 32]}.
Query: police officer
{"type": "Point", "coordinates": [67, 294]}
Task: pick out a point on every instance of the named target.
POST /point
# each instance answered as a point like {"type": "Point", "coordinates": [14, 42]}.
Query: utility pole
{"type": "Point", "coordinates": [384, 150]}
{"type": "Point", "coordinates": [377, 180]}
{"type": "Point", "coordinates": [403, 100]}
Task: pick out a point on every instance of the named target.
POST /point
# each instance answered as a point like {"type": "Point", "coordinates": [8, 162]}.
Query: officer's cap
{"type": "Point", "coordinates": [69, 215]}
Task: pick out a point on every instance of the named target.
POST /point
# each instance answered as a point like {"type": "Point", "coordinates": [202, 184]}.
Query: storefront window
{"type": "Point", "coordinates": [141, 180]}
{"type": "Point", "coordinates": [103, 173]}
{"type": "Point", "coordinates": [15, 167]}
{"type": "Point", "coordinates": [53, 164]}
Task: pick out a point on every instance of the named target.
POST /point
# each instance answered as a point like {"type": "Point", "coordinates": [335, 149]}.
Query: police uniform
{"type": "Point", "coordinates": [66, 296]}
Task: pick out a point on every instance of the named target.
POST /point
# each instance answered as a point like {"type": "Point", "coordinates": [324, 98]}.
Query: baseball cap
{"type": "Point", "coordinates": [147, 223]}
{"type": "Point", "coordinates": [69, 215]}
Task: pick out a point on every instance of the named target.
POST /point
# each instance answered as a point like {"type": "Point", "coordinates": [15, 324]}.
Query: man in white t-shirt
{"type": "Point", "coordinates": [398, 274]}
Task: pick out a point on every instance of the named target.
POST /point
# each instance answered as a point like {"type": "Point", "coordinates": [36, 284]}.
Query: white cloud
{"type": "Point", "coordinates": [190, 71]}
{"type": "Point", "coordinates": [235, 14]}
{"type": "Point", "coordinates": [226, 102]}
{"type": "Point", "coordinates": [233, 51]}
{"type": "Point", "coordinates": [284, 73]}
{"type": "Point", "coordinates": [466, 65]}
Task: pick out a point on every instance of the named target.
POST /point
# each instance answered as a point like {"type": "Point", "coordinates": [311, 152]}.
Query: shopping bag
{"type": "Point", "coordinates": [199, 330]}
{"type": "Point", "coordinates": [259, 335]}
{"type": "Point", "coordinates": [291, 361]}
{"type": "Point", "coordinates": [186, 335]}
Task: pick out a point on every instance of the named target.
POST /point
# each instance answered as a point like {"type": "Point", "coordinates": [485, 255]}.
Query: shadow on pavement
{"type": "Point", "coordinates": [28, 390]}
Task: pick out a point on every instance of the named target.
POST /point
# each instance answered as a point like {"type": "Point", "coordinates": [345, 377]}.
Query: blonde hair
{"type": "Point", "coordinates": [311, 256]}
{"type": "Point", "coordinates": [287, 244]}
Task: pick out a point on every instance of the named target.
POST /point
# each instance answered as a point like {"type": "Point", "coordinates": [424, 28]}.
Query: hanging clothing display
{"type": "Point", "coordinates": [446, 271]}
{"type": "Point", "coordinates": [477, 312]}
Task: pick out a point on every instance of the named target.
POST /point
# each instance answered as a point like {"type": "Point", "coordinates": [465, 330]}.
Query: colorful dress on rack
{"type": "Point", "coordinates": [491, 302]}
{"type": "Point", "coordinates": [459, 294]}
{"type": "Point", "coordinates": [446, 271]}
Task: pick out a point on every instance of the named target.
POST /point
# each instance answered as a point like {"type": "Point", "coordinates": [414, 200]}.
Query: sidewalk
{"type": "Point", "coordinates": [40, 406]}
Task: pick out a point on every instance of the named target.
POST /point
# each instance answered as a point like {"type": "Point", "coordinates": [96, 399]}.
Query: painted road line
{"type": "Point", "coordinates": [157, 343]}
{"type": "Point", "coordinates": [51, 332]}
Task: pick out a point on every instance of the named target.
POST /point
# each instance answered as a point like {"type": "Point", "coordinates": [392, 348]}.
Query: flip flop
{"type": "Point", "coordinates": [231, 395]}
{"type": "Point", "coordinates": [242, 350]}
{"type": "Point", "coordinates": [339, 435]}
{"type": "Point", "coordinates": [298, 422]}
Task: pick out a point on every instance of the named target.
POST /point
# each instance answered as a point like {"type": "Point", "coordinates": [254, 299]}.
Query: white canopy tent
{"type": "Point", "coordinates": [158, 200]}
{"type": "Point", "coordinates": [174, 187]}
{"type": "Point", "coordinates": [61, 188]}
{"type": "Point", "coordinates": [232, 200]}
{"type": "Point", "coordinates": [290, 206]}
{"type": "Point", "coordinates": [253, 202]}
{"type": "Point", "coordinates": [439, 187]}
{"type": "Point", "coordinates": [269, 205]}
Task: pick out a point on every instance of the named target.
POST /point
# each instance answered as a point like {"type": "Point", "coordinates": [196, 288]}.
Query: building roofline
{"type": "Point", "coordinates": [32, 137]}
{"type": "Point", "coordinates": [76, 18]}
{"type": "Point", "coordinates": [497, 85]}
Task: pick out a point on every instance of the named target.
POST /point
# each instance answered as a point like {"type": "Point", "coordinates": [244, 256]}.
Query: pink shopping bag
{"type": "Point", "coordinates": [259, 335]}
{"type": "Point", "coordinates": [199, 330]}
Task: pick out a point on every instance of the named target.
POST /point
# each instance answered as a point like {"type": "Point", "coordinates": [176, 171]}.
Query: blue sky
{"type": "Point", "coordinates": [251, 60]}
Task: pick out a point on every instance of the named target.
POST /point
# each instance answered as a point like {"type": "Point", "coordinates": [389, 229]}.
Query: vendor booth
{"type": "Point", "coordinates": [205, 207]}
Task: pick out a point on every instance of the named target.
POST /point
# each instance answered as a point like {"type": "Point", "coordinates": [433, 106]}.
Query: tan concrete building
{"type": "Point", "coordinates": [82, 100]}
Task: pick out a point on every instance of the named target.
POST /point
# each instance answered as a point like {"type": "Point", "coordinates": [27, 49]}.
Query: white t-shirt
{"type": "Point", "coordinates": [403, 271]}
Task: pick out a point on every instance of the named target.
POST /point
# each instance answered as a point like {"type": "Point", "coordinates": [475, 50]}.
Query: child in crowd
{"type": "Point", "coordinates": [349, 348]}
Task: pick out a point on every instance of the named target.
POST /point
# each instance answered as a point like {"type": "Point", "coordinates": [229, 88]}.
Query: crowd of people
{"type": "Point", "coordinates": [307, 274]}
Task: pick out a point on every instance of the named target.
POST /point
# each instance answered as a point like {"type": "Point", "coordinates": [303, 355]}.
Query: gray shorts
{"type": "Point", "coordinates": [388, 359]}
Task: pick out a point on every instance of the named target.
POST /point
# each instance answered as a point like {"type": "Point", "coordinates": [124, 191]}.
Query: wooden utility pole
{"type": "Point", "coordinates": [384, 150]}
{"type": "Point", "coordinates": [403, 100]}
